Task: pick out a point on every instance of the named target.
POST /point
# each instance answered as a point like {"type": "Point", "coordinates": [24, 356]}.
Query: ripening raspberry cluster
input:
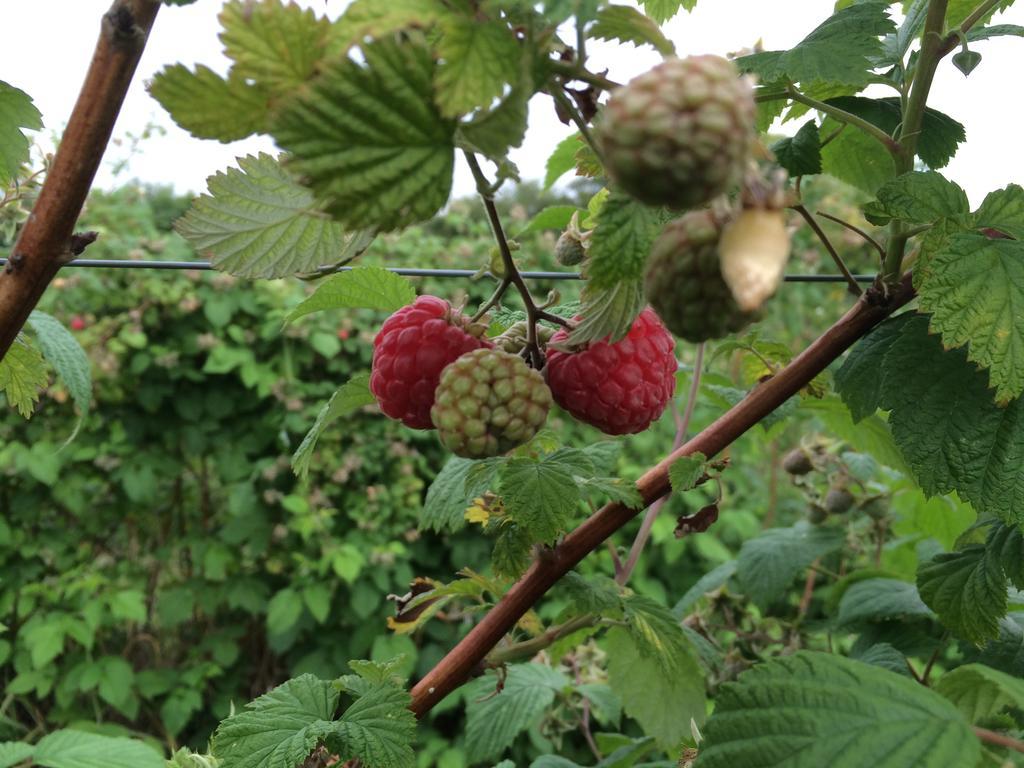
{"type": "Point", "coordinates": [433, 370]}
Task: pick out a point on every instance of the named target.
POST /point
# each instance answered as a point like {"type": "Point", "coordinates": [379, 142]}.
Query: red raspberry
{"type": "Point", "coordinates": [619, 388]}
{"type": "Point", "coordinates": [411, 349]}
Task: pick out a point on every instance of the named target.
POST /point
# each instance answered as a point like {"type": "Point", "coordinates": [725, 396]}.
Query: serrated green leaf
{"type": "Point", "coordinates": [967, 590]}
{"type": "Point", "coordinates": [662, 704]}
{"type": "Point", "coordinates": [921, 197]}
{"type": "Point", "coordinates": [627, 25]}
{"type": "Point", "coordinates": [1003, 210]}
{"type": "Point", "coordinates": [940, 134]}
{"type": "Point", "coordinates": [377, 729]}
{"type": "Point", "coordinates": [22, 376]}
{"type": "Point", "coordinates": [359, 288]}
{"type": "Point", "coordinates": [816, 709]}
{"type": "Point", "coordinates": [881, 600]}
{"type": "Point", "coordinates": [209, 106]}
{"type": "Point", "coordinates": [78, 749]}
{"type": "Point", "coordinates": [840, 50]}
{"type": "Point", "coordinates": [496, 131]}
{"type": "Point", "coordinates": [369, 139]}
{"type": "Point", "coordinates": [372, 18]}
{"type": "Point", "coordinates": [539, 495]}
{"type": "Point", "coordinates": [280, 728]}
{"type": "Point", "coordinates": [976, 34]}
{"type": "Point", "coordinates": [608, 313]}
{"type": "Point", "coordinates": [605, 703]}
{"type": "Point", "coordinates": [1005, 652]}
{"type": "Point", "coordinates": [555, 217]}
{"type": "Point", "coordinates": [17, 112]}
{"type": "Point", "coordinates": [478, 59]}
{"type": "Point", "coordinates": [657, 634]}
{"type": "Point", "coordinates": [663, 10]}
{"type": "Point", "coordinates": [562, 159]}
{"type": "Point", "coordinates": [856, 158]}
{"type": "Point", "coordinates": [686, 472]}
{"type": "Point", "coordinates": [951, 433]}
{"type": "Point", "coordinates": [448, 497]}
{"type": "Point", "coordinates": [278, 45]}
{"type": "Point", "coordinates": [613, 489]}
{"type": "Point", "coordinates": [709, 582]}
{"type": "Point", "coordinates": [257, 221]}
{"type": "Point", "coordinates": [974, 290]}
{"type": "Point", "coordinates": [958, 10]}
{"type": "Point", "coordinates": [768, 564]}
{"type": "Point", "coordinates": [65, 354]}
{"type": "Point", "coordinates": [351, 396]}
{"type": "Point", "coordinates": [513, 552]}
{"type": "Point", "coordinates": [590, 594]}
{"type": "Point", "coordinates": [13, 753]}
{"type": "Point", "coordinates": [800, 154]}
{"type": "Point", "coordinates": [980, 692]}
{"type": "Point", "coordinates": [622, 240]}
{"type": "Point", "coordinates": [495, 719]}
{"type": "Point", "coordinates": [884, 655]}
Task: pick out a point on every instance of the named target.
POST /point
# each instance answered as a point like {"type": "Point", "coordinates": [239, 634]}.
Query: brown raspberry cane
{"type": "Point", "coordinates": [619, 388]}
{"type": "Point", "coordinates": [411, 349]}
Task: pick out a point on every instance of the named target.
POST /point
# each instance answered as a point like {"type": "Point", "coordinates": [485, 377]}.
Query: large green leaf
{"type": "Point", "coordinates": [14, 753]}
{"type": "Point", "coordinates": [974, 290]}
{"type": "Point", "coordinates": [352, 395]}
{"type": "Point", "coordinates": [209, 106]}
{"type": "Point", "coordinates": [16, 112]}
{"type": "Point", "coordinates": [608, 313]}
{"type": "Point", "coordinates": [279, 45]}
{"type": "Point", "coordinates": [448, 496]}
{"type": "Point", "coordinates": [627, 25]}
{"type": "Point", "coordinates": [981, 692]}
{"type": "Point", "coordinates": [372, 18]}
{"type": "Point", "coordinates": [22, 376]}
{"type": "Point", "coordinates": [359, 288]}
{"type": "Point", "coordinates": [65, 354]}
{"type": "Point", "coordinates": [967, 588]}
{"type": "Point", "coordinates": [663, 10]}
{"type": "Point", "coordinates": [495, 717]}
{"type": "Point", "coordinates": [78, 749]}
{"type": "Point", "coordinates": [663, 704]}
{"type": "Point", "coordinates": [622, 240]}
{"type": "Point", "coordinates": [881, 600]}
{"type": "Point", "coordinates": [940, 134]}
{"type": "Point", "coordinates": [258, 221]}
{"type": "Point", "coordinates": [815, 709]}
{"type": "Point", "coordinates": [1003, 210]}
{"type": "Point", "coordinates": [377, 729]}
{"type": "Point", "coordinates": [800, 154]}
{"type": "Point", "coordinates": [919, 196]}
{"type": "Point", "coordinates": [540, 495]}
{"type": "Point", "coordinates": [369, 139]}
{"type": "Point", "coordinates": [840, 50]}
{"type": "Point", "coordinates": [951, 433]}
{"type": "Point", "coordinates": [478, 59]}
{"type": "Point", "coordinates": [856, 158]}
{"type": "Point", "coordinates": [280, 728]}
{"type": "Point", "coordinates": [768, 564]}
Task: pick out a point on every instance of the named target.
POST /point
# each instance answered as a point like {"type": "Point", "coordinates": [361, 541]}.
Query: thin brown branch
{"type": "Point", "coordinates": [456, 667]}
{"type": "Point", "coordinates": [857, 230]}
{"type": "Point", "coordinates": [998, 739]}
{"type": "Point", "coordinates": [45, 242]}
{"type": "Point", "coordinates": [851, 281]}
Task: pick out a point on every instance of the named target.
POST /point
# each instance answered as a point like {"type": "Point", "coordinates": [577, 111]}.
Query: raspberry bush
{"type": "Point", "coordinates": [864, 599]}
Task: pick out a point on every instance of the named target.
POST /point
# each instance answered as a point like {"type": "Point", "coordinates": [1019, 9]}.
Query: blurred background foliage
{"type": "Point", "coordinates": [167, 563]}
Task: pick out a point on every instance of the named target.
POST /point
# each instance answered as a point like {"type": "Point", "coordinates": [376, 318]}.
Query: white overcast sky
{"type": "Point", "coordinates": [47, 46]}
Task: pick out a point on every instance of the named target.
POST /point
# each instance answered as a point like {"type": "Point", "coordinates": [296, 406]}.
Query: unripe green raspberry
{"type": "Point", "coordinates": [569, 250]}
{"type": "Point", "coordinates": [684, 281]}
{"type": "Point", "coordinates": [487, 404]}
{"type": "Point", "coordinates": [681, 133]}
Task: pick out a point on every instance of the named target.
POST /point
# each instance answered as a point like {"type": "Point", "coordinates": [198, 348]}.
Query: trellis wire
{"type": "Point", "coordinates": [405, 271]}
